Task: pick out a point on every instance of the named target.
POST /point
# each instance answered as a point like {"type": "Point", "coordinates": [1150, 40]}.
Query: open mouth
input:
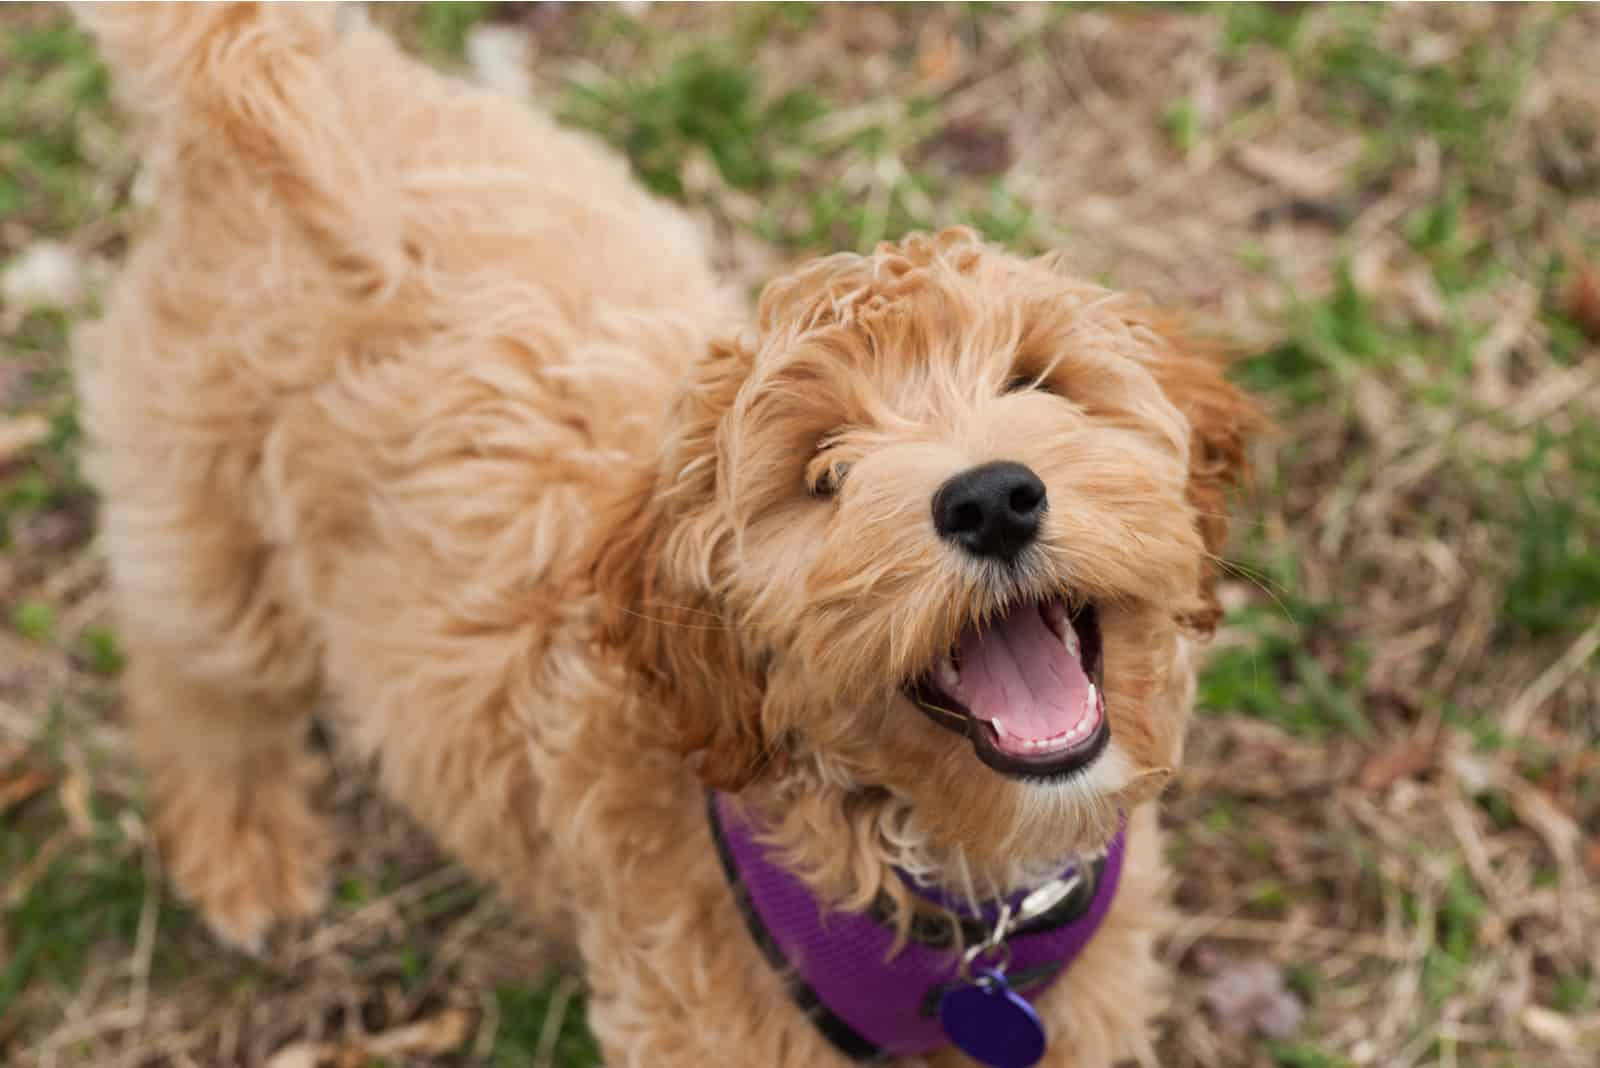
{"type": "Point", "coordinates": [1026, 689]}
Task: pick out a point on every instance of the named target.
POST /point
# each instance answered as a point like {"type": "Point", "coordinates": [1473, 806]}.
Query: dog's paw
{"type": "Point", "coordinates": [248, 856]}
{"type": "Point", "coordinates": [247, 904]}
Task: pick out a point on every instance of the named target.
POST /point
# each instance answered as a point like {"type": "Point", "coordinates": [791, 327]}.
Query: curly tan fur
{"type": "Point", "coordinates": [412, 400]}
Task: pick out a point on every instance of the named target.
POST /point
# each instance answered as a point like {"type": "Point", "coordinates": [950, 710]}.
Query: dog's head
{"type": "Point", "coordinates": [936, 526]}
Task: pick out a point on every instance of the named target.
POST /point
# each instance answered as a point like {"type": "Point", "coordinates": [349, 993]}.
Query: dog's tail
{"type": "Point", "coordinates": [234, 60]}
{"type": "Point", "coordinates": [260, 86]}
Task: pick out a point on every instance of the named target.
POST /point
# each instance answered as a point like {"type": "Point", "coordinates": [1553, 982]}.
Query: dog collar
{"type": "Point", "coordinates": [872, 1001]}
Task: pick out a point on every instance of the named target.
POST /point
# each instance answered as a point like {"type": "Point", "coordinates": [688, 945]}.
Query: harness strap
{"type": "Point", "coordinates": [870, 1001]}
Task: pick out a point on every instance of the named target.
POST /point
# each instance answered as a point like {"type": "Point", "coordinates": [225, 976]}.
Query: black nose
{"type": "Point", "coordinates": [991, 510]}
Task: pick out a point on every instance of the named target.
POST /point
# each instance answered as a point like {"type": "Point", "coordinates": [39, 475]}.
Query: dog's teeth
{"type": "Point", "coordinates": [1069, 638]}
{"type": "Point", "coordinates": [1093, 698]}
{"type": "Point", "coordinates": [946, 674]}
{"type": "Point", "coordinates": [1055, 617]}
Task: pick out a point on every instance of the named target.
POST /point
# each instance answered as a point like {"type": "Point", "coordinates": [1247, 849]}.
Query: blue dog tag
{"type": "Point", "coordinates": [993, 1024]}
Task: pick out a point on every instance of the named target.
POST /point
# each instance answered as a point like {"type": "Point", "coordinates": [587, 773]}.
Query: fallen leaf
{"type": "Point", "coordinates": [1420, 286]}
{"type": "Point", "coordinates": [546, 16]}
{"type": "Point", "coordinates": [1571, 770]}
{"type": "Point", "coordinates": [18, 787]}
{"type": "Point", "coordinates": [437, 1035]}
{"type": "Point", "coordinates": [74, 795]}
{"type": "Point", "coordinates": [1583, 301]}
{"type": "Point", "coordinates": [1475, 773]}
{"type": "Point", "coordinates": [970, 144]}
{"type": "Point", "coordinates": [299, 1055]}
{"type": "Point", "coordinates": [540, 17]}
{"type": "Point", "coordinates": [939, 57]}
{"type": "Point", "coordinates": [47, 274]}
{"type": "Point", "coordinates": [1309, 176]}
{"type": "Point", "coordinates": [1550, 1026]}
{"type": "Point", "coordinates": [21, 884]}
{"type": "Point", "coordinates": [1388, 766]}
{"type": "Point", "coordinates": [501, 58]}
{"type": "Point", "coordinates": [1548, 818]}
{"type": "Point", "coordinates": [441, 1033]}
{"type": "Point", "coordinates": [21, 433]}
{"type": "Point", "coordinates": [1250, 997]}
{"type": "Point", "coordinates": [52, 531]}
{"type": "Point", "coordinates": [1591, 857]}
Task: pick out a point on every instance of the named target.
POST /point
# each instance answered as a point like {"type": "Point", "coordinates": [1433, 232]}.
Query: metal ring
{"type": "Point", "coordinates": [999, 964]}
{"type": "Point", "coordinates": [1002, 926]}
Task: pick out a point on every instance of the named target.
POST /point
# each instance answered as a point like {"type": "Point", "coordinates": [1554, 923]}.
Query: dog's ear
{"type": "Point", "coordinates": [1222, 419]}
{"type": "Point", "coordinates": [837, 289]}
{"type": "Point", "coordinates": [664, 544]}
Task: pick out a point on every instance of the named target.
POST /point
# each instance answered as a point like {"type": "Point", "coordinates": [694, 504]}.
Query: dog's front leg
{"type": "Point", "coordinates": [684, 1017]}
{"type": "Point", "coordinates": [676, 981]}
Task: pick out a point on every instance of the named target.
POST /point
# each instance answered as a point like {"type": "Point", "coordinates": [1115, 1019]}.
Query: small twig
{"type": "Point", "coordinates": [144, 942]}
{"type": "Point", "coordinates": [554, 1017]}
{"type": "Point", "coordinates": [488, 1025]}
{"type": "Point", "coordinates": [1514, 721]}
{"type": "Point", "coordinates": [118, 1019]}
{"type": "Point", "coordinates": [1213, 926]}
{"type": "Point", "coordinates": [384, 908]}
{"type": "Point", "coordinates": [36, 867]}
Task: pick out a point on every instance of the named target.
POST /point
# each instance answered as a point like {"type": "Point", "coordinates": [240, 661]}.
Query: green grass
{"type": "Point", "coordinates": [88, 898]}
{"type": "Point", "coordinates": [1460, 99]}
{"type": "Point", "coordinates": [1555, 584]}
{"type": "Point", "coordinates": [443, 27]}
{"type": "Point", "coordinates": [1575, 994]}
{"type": "Point", "coordinates": [51, 85]}
{"type": "Point", "coordinates": [702, 100]}
{"type": "Point", "coordinates": [35, 620]}
{"type": "Point", "coordinates": [1543, 506]}
{"type": "Point", "coordinates": [1333, 339]}
{"type": "Point", "coordinates": [101, 652]}
{"type": "Point", "coordinates": [49, 76]}
{"type": "Point", "coordinates": [1295, 1055]}
{"type": "Point", "coordinates": [523, 1014]}
{"type": "Point", "coordinates": [1456, 941]}
{"type": "Point", "coordinates": [1274, 677]}
{"type": "Point", "coordinates": [711, 100]}
{"type": "Point", "coordinates": [1272, 25]}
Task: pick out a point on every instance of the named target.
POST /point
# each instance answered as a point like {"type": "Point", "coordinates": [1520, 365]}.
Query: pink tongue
{"type": "Point", "coordinates": [1018, 672]}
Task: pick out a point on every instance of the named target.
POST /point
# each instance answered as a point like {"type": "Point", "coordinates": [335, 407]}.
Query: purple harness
{"type": "Point", "coordinates": [872, 1005]}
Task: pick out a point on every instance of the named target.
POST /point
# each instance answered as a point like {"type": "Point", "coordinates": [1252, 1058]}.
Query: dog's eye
{"type": "Point", "coordinates": [828, 480]}
{"type": "Point", "coordinates": [1025, 383]}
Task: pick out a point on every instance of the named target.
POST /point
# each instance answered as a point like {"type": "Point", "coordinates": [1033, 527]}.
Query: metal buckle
{"type": "Point", "coordinates": [996, 943]}
{"type": "Point", "coordinates": [994, 952]}
{"type": "Point", "coordinates": [1046, 898]}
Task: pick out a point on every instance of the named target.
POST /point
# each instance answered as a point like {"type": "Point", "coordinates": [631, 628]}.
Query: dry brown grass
{"type": "Point", "coordinates": [1391, 799]}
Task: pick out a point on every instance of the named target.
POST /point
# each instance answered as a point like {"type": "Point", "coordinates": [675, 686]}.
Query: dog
{"type": "Point", "coordinates": [885, 597]}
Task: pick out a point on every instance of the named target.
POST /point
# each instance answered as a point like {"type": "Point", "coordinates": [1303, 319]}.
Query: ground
{"type": "Point", "coordinates": [1385, 836]}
